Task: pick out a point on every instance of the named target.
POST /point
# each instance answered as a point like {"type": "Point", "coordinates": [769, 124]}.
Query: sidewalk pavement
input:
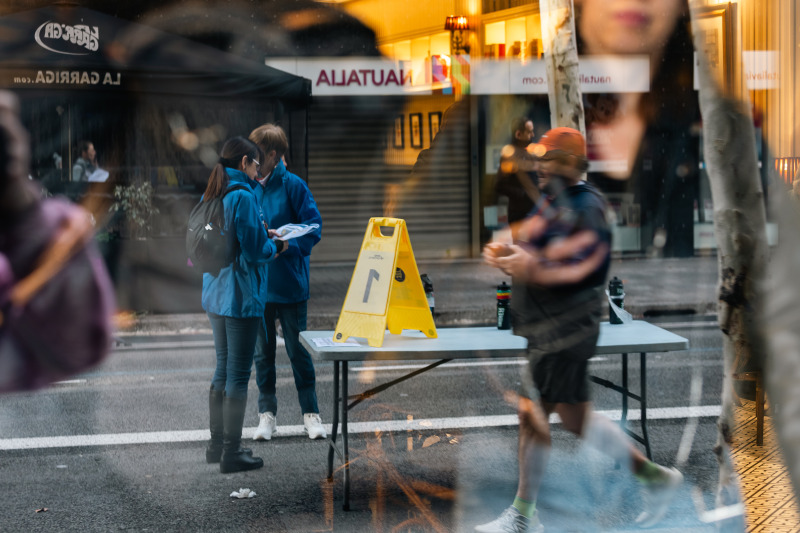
{"type": "Point", "coordinates": [465, 293]}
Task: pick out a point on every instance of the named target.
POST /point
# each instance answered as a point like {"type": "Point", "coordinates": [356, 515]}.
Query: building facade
{"type": "Point", "coordinates": [463, 86]}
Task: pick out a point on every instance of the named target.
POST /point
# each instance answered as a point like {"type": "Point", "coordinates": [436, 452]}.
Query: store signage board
{"type": "Point", "coordinates": [599, 74]}
{"type": "Point", "coordinates": [761, 69]}
{"type": "Point", "coordinates": [338, 76]}
{"type": "Point", "coordinates": [362, 76]}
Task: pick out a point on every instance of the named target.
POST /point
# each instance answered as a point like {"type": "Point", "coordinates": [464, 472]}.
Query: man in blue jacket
{"type": "Point", "coordinates": [285, 199]}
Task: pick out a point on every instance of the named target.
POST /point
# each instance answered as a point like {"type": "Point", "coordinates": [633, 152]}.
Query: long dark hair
{"type": "Point", "coordinates": [233, 151]}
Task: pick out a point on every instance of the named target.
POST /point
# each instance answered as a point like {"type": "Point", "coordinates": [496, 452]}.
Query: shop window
{"type": "Point", "coordinates": [518, 38]}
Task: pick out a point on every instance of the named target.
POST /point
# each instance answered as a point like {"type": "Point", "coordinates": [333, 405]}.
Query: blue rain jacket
{"type": "Point", "coordinates": [286, 199]}
{"type": "Point", "coordinates": [240, 289]}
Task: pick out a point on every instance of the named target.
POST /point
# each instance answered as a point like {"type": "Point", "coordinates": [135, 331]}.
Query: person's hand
{"type": "Point", "coordinates": [547, 266]}
{"type": "Point", "coordinates": [495, 250]}
{"type": "Point", "coordinates": [272, 233]}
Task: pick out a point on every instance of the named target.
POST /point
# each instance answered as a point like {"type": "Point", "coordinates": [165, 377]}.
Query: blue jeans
{"type": "Point", "coordinates": [293, 321]}
{"type": "Point", "coordinates": [234, 341]}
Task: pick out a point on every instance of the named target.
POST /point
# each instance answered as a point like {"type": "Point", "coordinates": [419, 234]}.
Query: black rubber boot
{"type": "Point", "coordinates": [214, 448]}
{"type": "Point", "coordinates": [234, 457]}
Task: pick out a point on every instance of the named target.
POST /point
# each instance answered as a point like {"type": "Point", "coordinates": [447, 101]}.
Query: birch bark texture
{"type": "Point", "coordinates": [561, 60]}
{"type": "Point", "coordinates": [730, 157]}
{"type": "Point", "coordinates": [782, 329]}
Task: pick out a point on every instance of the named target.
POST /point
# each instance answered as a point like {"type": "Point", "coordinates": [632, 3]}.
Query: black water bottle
{"type": "Point", "coordinates": [617, 294]}
{"type": "Point", "coordinates": [427, 284]}
{"type": "Point", "coordinates": [503, 300]}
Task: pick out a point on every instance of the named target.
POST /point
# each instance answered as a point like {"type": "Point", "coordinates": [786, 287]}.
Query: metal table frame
{"type": "Point", "coordinates": [473, 343]}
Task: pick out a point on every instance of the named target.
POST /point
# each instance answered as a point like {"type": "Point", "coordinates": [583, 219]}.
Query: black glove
{"type": "Point", "coordinates": [279, 244]}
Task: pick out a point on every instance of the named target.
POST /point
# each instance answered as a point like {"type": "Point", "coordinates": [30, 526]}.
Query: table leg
{"type": "Point", "coordinates": [337, 401]}
{"type": "Point", "coordinates": [346, 449]}
{"type": "Point", "coordinates": [643, 402]}
{"type": "Point", "coordinates": [623, 421]}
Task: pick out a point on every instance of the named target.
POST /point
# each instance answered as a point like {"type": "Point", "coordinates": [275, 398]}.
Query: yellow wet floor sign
{"type": "Point", "coordinates": [385, 290]}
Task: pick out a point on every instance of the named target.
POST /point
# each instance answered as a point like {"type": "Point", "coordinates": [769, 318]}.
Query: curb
{"type": "Point", "coordinates": [197, 323]}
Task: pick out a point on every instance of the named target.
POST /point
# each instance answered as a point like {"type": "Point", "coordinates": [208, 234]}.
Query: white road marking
{"type": "Point", "coordinates": [168, 345]}
{"type": "Point", "coordinates": [422, 424]}
{"type": "Point", "coordinates": [694, 324]}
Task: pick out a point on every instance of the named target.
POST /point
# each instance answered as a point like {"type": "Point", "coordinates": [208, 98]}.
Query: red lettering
{"type": "Point", "coordinates": [364, 74]}
{"type": "Point", "coordinates": [392, 77]}
{"type": "Point", "coordinates": [353, 78]}
{"type": "Point", "coordinates": [378, 83]}
{"type": "Point", "coordinates": [323, 78]}
{"type": "Point", "coordinates": [334, 79]}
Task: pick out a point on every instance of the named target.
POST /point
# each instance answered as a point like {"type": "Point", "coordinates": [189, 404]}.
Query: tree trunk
{"type": "Point", "coordinates": [740, 230]}
{"type": "Point", "coordinates": [561, 60]}
{"type": "Point", "coordinates": [782, 318]}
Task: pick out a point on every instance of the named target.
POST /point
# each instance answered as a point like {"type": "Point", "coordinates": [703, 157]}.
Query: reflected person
{"type": "Point", "coordinates": [645, 144]}
{"type": "Point", "coordinates": [559, 265]}
{"type": "Point", "coordinates": [86, 163]}
{"type": "Point", "coordinates": [516, 177]}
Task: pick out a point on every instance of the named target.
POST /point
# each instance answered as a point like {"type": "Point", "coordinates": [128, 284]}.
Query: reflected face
{"type": "Point", "coordinates": [251, 168]}
{"type": "Point", "coordinates": [562, 168]}
{"type": "Point", "coordinates": [526, 135]}
{"type": "Point", "coordinates": [90, 153]}
{"type": "Point", "coordinates": [627, 26]}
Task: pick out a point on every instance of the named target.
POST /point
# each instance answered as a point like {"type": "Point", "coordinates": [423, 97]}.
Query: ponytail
{"type": "Point", "coordinates": [217, 183]}
{"type": "Point", "coordinates": [233, 151]}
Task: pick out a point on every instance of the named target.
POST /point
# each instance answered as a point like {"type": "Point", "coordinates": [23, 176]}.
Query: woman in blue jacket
{"type": "Point", "coordinates": [234, 301]}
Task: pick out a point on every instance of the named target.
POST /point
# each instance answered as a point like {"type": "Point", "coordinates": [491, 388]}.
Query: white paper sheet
{"type": "Point", "coordinates": [292, 231]}
{"type": "Point", "coordinates": [319, 342]}
{"type": "Point", "coordinates": [99, 175]}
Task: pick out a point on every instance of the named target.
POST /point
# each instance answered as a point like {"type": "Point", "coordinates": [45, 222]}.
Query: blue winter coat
{"type": "Point", "coordinates": [285, 199]}
{"type": "Point", "coordinates": [240, 289]}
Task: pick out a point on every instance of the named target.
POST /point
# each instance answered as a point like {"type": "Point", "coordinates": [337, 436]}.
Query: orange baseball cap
{"type": "Point", "coordinates": [564, 139]}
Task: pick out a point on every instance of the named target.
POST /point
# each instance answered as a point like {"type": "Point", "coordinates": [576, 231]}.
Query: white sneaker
{"type": "Point", "coordinates": [313, 426]}
{"type": "Point", "coordinates": [512, 521]}
{"type": "Point", "coordinates": [266, 427]}
{"type": "Point", "coordinates": [657, 496]}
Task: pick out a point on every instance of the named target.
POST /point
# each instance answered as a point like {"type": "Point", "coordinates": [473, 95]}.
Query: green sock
{"type": "Point", "coordinates": [650, 472]}
{"type": "Point", "coordinates": [527, 509]}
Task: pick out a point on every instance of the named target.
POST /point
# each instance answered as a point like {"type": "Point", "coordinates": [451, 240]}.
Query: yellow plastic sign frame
{"type": "Point", "coordinates": [385, 290]}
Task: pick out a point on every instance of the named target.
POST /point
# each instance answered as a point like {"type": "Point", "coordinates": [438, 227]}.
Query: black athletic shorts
{"type": "Point", "coordinates": [560, 377]}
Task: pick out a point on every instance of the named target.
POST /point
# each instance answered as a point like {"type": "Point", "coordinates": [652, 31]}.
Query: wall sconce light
{"type": "Point", "coordinates": [457, 24]}
{"type": "Point", "coordinates": [787, 168]}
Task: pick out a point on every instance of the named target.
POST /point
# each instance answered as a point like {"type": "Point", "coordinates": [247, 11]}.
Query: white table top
{"type": "Point", "coordinates": [486, 342]}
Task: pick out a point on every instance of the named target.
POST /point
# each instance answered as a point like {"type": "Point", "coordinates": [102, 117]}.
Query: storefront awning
{"type": "Point", "coordinates": [73, 48]}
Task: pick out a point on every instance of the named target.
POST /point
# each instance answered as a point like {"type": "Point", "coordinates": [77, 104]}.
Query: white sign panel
{"type": "Point", "coordinates": [490, 77]}
{"type": "Point", "coordinates": [615, 74]}
{"type": "Point", "coordinates": [597, 75]}
{"type": "Point", "coordinates": [335, 76]}
{"type": "Point", "coordinates": [530, 78]}
{"type": "Point", "coordinates": [761, 69]}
